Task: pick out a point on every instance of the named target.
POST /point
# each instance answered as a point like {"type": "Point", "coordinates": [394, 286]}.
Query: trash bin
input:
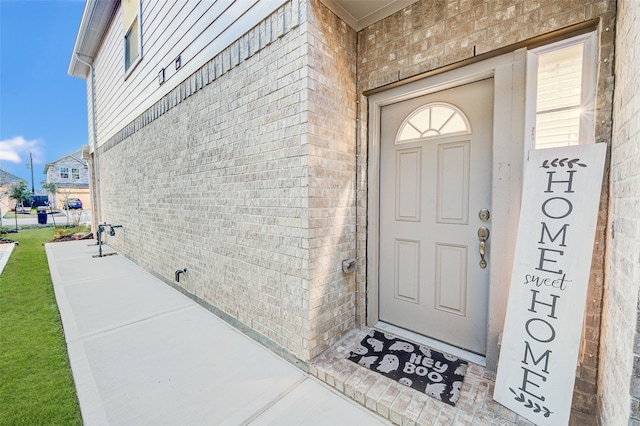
{"type": "Point", "coordinates": [42, 215]}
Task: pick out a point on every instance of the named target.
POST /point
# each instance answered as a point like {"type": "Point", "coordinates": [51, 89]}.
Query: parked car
{"type": "Point", "coordinates": [72, 203]}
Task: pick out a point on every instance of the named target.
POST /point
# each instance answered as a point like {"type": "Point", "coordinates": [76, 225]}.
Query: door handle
{"type": "Point", "coordinates": [483, 236]}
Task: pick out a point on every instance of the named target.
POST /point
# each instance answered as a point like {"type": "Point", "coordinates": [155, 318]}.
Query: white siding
{"type": "Point", "coordinates": [195, 30]}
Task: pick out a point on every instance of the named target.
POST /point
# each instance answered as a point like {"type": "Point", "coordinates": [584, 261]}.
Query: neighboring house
{"type": "Point", "coordinates": [71, 175]}
{"type": "Point", "coordinates": [6, 181]}
{"type": "Point", "coordinates": [255, 143]}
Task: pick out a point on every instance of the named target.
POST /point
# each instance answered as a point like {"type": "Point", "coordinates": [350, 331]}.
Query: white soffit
{"type": "Point", "coordinates": [359, 14]}
{"type": "Point", "coordinates": [95, 19]}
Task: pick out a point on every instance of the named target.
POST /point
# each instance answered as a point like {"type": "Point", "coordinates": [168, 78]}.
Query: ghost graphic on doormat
{"type": "Point", "coordinates": [418, 367]}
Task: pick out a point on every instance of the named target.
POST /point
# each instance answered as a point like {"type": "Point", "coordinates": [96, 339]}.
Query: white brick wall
{"type": "Point", "coordinates": [332, 124]}
{"type": "Point", "coordinates": [247, 181]}
{"type": "Point", "coordinates": [619, 378]}
{"type": "Point", "coordinates": [218, 185]}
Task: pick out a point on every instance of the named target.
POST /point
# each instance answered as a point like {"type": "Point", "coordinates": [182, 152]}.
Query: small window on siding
{"type": "Point", "coordinates": [565, 93]}
{"type": "Point", "coordinates": [64, 173]}
{"type": "Point", "coordinates": [75, 174]}
{"type": "Point", "coordinates": [132, 35]}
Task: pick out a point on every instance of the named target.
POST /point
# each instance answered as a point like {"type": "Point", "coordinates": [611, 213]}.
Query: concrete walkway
{"type": "Point", "coordinates": [5, 252]}
{"type": "Point", "coordinates": [144, 354]}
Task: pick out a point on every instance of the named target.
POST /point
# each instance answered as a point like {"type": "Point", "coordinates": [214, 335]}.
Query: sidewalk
{"type": "Point", "coordinates": [63, 217]}
{"type": "Point", "coordinates": [5, 252]}
{"type": "Point", "coordinates": [142, 353]}
{"type": "Point", "coordinates": [26, 219]}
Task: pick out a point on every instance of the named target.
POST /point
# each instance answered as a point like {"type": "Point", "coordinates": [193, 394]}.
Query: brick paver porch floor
{"type": "Point", "coordinates": [405, 406]}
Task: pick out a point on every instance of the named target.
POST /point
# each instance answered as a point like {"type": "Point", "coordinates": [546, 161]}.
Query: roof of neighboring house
{"type": "Point", "coordinates": [7, 178]}
{"type": "Point", "coordinates": [74, 156]}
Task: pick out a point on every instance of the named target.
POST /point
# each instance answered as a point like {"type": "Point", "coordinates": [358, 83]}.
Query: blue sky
{"type": "Point", "coordinates": [42, 109]}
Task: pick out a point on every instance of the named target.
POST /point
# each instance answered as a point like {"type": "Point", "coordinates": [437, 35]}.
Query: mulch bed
{"type": "Point", "coordinates": [74, 237]}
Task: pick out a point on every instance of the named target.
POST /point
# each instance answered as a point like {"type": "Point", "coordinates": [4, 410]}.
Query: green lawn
{"type": "Point", "coordinates": [36, 385]}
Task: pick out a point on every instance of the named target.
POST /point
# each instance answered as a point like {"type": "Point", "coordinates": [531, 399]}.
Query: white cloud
{"type": "Point", "coordinates": [16, 150]}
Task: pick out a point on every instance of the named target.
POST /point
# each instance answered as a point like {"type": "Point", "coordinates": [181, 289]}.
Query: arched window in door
{"type": "Point", "coordinates": [431, 121]}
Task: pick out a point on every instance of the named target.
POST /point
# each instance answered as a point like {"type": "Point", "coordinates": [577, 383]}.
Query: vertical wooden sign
{"type": "Point", "coordinates": [545, 311]}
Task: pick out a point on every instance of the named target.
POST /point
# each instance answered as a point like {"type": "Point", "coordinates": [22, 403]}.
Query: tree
{"type": "Point", "coordinates": [2, 195]}
{"type": "Point", "coordinates": [52, 190]}
{"type": "Point", "coordinates": [20, 193]}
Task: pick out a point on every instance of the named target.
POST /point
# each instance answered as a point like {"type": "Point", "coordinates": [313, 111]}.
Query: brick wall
{"type": "Point", "coordinates": [619, 375]}
{"type": "Point", "coordinates": [244, 175]}
{"type": "Point", "coordinates": [434, 33]}
{"type": "Point", "coordinates": [214, 178]}
{"type": "Point", "coordinates": [331, 139]}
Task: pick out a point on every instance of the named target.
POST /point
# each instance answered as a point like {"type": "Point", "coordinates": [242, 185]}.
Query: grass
{"type": "Point", "coordinates": [37, 386]}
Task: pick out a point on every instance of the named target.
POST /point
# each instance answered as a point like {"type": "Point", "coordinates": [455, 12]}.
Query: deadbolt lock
{"type": "Point", "coordinates": [484, 215]}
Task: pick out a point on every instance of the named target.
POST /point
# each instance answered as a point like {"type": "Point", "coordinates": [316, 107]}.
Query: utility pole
{"type": "Point", "coordinates": [33, 190]}
{"type": "Point", "coordinates": [30, 166]}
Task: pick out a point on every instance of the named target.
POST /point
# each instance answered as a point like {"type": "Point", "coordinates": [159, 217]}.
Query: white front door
{"type": "Point", "coordinates": [435, 179]}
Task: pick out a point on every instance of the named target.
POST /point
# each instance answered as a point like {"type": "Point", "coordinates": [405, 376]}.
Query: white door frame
{"type": "Point", "coordinates": [508, 72]}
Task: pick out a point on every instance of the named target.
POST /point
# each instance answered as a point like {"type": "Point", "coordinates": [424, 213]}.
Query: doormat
{"type": "Point", "coordinates": [426, 370]}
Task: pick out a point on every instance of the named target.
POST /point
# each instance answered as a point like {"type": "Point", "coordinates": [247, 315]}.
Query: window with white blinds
{"type": "Point", "coordinates": [565, 94]}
